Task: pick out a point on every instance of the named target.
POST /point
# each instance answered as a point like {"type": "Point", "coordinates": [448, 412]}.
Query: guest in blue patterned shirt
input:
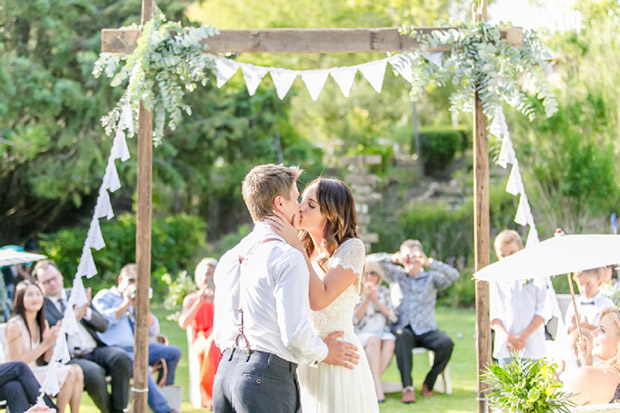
{"type": "Point", "coordinates": [419, 279]}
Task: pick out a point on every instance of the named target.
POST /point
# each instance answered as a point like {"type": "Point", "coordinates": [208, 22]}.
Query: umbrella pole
{"type": "Point", "coordinates": [577, 318]}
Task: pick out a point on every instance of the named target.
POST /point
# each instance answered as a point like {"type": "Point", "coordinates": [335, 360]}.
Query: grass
{"type": "Point", "coordinates": [457, 323]}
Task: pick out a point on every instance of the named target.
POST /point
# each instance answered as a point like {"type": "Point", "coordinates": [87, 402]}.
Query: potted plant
{"type": "Point", "coordinates": [526, 386]}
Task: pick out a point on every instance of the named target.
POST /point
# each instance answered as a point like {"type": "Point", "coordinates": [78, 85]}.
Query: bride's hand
{"type": "Point", "coordinates": [285, 229]}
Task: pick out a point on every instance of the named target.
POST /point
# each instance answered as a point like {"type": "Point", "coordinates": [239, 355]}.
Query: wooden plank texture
{"type": "Point", "coordinates": [383, 39]}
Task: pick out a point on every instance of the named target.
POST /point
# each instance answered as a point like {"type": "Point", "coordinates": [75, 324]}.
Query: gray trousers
{"type": "Point", "coordinates": [257, 382]}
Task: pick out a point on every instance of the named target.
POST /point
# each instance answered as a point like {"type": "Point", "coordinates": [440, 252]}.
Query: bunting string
{"type": "Point", "coordinates": [314, 80]}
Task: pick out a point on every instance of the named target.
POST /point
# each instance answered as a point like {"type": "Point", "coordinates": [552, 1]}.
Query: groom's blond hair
{"type": "Point", "coordinates": [263, 183]}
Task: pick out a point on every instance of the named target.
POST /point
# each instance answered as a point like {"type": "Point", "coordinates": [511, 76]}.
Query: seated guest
{"type": "Point", "coordinates": [95, 358]}
{"type": "Point", "coordinates": [372, 318]}
{"type": "Point", "coordinates": [419, 279]}
{"type": "Point", "coordinates": [590, 302]}
{"type": "Point", "coordinates": [198, 312]}
{"type": "Point", "coordinates": [18, 387]}
{"type": "Point", "coordinates": [597, 383]}
{"type": "Point", "coordinates": [30, 339]}
{"type": "Point", "coordinates": [117, 306]}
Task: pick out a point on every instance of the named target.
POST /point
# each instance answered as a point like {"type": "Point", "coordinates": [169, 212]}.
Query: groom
{"type": "Point", "coordinates": [267, 280]}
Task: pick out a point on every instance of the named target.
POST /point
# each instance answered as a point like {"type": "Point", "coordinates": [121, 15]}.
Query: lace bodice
{"type": "Point", "coordinates": [338, 316]}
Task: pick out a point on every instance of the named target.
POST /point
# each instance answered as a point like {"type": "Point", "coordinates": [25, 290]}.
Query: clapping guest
{"type": "Point", "coordinates": [198, 312]}
{"type": "Point", "coordinates": [30, 339]}
{"type": "Point", "coordinates": [373, 316]}
{"type": "Point", "coordinates": [597, 383]}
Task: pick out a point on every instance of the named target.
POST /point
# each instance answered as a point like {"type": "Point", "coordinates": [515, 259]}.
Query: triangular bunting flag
{"type": "Point", "coordinates": [103, 209]}
{"type": "Point", "coordinates": [69, 323]}
{"type": "Point", "coordinates": [499, 128]}
{"type": "Point", "coordinates": [94, 238]}
{"type": "Point", "coordinates": [126, 120]}
{"type": "Point", "coordinates": [506, 154]}
{"type": "Point", "coordinates": [225, 69]}
{"type": "Point", "coordinates": [110, 179]}
{"type": "Point", "coordinates": [401, 63]}
{"type": "Point", "coordinates": [282, 80]}
{"type": "Point", "coordinates": [119, 146]}
{"type": "Point", "coordinates": [515, 184]}
{"type": "Point", "coordinates": [374, 72]}
{"type": "Point", "coordinates": [315, 81]}
{"type": "Point", "coordinates": [78, 293]}
{"type": "Point", "coordinates": [87, 264]}
{"type": "Point", "coordinates": [253, 75]}
{"type": "Point", "coordinates": [532, 236]}
{"type": "Point", "coordinates": [521, 216]}
{"type": "Point", "coordinates": [434, 58]}
{"type": "Point", "coordinates": [344, 77]}
{"type": "Point", "coordinates": [50, 385]}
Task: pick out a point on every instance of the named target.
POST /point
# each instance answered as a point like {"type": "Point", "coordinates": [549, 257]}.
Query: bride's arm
{"type": "Point", "coordinates": [336, 280]}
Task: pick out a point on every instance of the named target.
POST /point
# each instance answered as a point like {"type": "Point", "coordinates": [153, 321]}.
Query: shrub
{"type": "Point", "coordinates": [177, 240]}
{"type": "Point", "coordinates": [439, 147]}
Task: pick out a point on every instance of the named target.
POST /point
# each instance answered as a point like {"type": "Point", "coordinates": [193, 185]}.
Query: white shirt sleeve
{"type": "Point", "coordinates": [293, 310]}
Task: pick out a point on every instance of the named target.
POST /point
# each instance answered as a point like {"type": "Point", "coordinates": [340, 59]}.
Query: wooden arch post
{"type": "Point", "coordinates": [143, 246]}
{"type": "Point", "coordinates": [481, 235]}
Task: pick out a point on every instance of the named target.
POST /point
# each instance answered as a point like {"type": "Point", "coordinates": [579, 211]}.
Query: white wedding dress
{"type": "Point", "coordinates": [334, 389]}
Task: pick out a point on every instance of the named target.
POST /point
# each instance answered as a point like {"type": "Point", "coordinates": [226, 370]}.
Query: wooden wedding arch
{"type": "Point", "coordinates": [303, 41]}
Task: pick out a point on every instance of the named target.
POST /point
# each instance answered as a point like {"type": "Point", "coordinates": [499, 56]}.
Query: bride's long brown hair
{"type": "Point", "coordinates": [338, 207]}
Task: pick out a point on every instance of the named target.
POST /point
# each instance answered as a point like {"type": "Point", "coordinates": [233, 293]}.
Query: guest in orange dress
{"type": "Point", "coordinates": [198, 313]}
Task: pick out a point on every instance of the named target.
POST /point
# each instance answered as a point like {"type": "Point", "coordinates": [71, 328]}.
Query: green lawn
{"type": "Point", "coordinates": [457, 323]}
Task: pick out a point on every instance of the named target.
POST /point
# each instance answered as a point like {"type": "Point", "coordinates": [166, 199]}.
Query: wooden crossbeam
{"type": "Point", "coordinates": [383, 39]}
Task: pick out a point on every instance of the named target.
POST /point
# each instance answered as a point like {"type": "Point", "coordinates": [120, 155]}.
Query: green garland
{"type": "Point", "coordinates": [481, 61]}
{"type": "Point", "coordinates": [168, 60]}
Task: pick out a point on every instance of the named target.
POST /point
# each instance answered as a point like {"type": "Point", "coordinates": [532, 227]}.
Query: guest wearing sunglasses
{"type": "Point", "coordinates": [372, 318]}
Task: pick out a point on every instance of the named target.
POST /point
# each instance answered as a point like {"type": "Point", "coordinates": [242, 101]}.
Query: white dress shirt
{"type": "Point", "coordinates": [515, 304]}
{"type": "Point", "coordinates": [589, 309]}
{"type": "Point", "coordinates": [82, 341]}
{"type": "Point", "coordinates": [274, 299]}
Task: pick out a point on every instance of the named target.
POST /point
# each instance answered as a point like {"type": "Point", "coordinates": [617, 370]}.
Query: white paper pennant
{"type": "Point", "coordinates": [434, 58]}
{"type": "Point", "coordinates": [126, 120]}
{"type": "Point", "coordinates": [401, 63]}
{"type": "Point", "coordinates": [87, 264]}
{"type": "Point", "coordinates": [110, 179]}
{"type": "Point", "coordinates": [225, 69]}
{"type": "Point", "coordinates": [532, 236]}
{"type": "Point", "coordinates": [253, 76]}
{"type": "Point", "coordinates": [119, 146]}
{"type": "Point", "coordinates": [50, 386]}
{"type": "Point", "coordinates": [499, 128]}
{"type": "Point", "coordinates": [344, 77]}
{"type": "Point", "coordinates": [69, 323]}
{"type": "Point", "coordinates": [506, 154]}
{"type": "Point", "coordinates": [282, 80]}
{"type": "Point", "coordinates": [103, 209]}
{"type": "Point", "coordinates": [94, 238]}
{"type": "Point", "coordinates": [78, 292]}
{"type": "Point", "coordinates": [514, 185]}
{"type": "Point", "coordinates": [521, 216]}
{"type": "Point", "coordinates": [374, 72]}
{"type": "Point", "coordinates": [61, 350]}
{"type": "Point", "coordinates": [315, 81]}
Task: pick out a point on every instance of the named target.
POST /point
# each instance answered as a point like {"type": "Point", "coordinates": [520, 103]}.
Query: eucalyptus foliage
{"type": "Point", "coordinates": [168, 60]}
{"type": "Point", "coordinates": [526, 386]}
{"type": "Point", "coordinates": [481, 61]}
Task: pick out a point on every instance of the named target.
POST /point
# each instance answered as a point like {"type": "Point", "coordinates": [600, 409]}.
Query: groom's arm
{"type": "Point", "coordinates": [293, 310]}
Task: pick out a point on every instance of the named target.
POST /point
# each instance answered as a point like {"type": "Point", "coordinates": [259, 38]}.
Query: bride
{"type": "Point", "coordinates": [335, 257]}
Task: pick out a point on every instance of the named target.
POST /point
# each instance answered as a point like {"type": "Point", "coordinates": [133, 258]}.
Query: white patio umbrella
{"type": "Point", "coordinates": [561, 254]}
{"type": "Point", "coordinates": [11, 257]}
{"type": "Point", "coordinates": [558, 255]}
